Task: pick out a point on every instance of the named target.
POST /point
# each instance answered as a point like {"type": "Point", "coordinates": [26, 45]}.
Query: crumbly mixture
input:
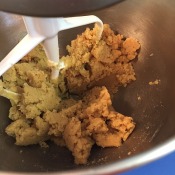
{"type": "Point", "coordinates": [94, 69]}
{"type": "Point", "coordinates": [91, 60]}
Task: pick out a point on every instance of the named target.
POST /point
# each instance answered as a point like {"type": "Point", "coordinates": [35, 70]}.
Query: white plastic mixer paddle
{"type": "Point", "coordinates": [45, 30]}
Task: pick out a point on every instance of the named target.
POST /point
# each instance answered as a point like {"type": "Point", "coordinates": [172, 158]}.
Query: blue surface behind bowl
{"type": "Point", "coordinates": [163, 166]}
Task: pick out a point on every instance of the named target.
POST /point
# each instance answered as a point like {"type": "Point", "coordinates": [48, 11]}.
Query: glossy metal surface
{"type": "Point", "coordinates": [152, 22]}
{"type": "Point", "coordinates": [53, 8]}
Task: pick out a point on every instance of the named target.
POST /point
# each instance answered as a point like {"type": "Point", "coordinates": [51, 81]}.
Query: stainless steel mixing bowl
{"type": "Point", "coordinates": [152, 23]}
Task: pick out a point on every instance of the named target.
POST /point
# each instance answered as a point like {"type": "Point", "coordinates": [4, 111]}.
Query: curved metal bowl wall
{"type": "Point", "coordinates": [152, 23]}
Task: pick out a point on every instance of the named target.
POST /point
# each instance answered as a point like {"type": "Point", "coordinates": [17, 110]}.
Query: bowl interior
{"type": "Point", "coordinates": [152, 23]}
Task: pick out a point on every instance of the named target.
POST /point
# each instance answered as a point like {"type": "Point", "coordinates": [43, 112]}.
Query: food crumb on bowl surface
{"type": "Point", "coordinates": [44, 145]}
{"type": "Point", "coordinates": [154, 82]}
{"type": "Point", "coordinates": [43, 110]}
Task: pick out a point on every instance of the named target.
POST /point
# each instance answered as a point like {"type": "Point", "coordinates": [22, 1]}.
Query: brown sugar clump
{"type": "Point", "coordinates": [26, 133]}
{"type": "Point", "coordinates": [37, 100]}
{"type": "Point", "coordinates": [79, 145]}
{"type": "Point", "coordinates": [58, 121]}
{"type": "Point", "coordinates": [88, 121]}
{"type": "Point", "coordinates": [89, 61]}
{"type": "Point", "coordinates": [36, 78]}
{"type": "Point", "coordinates": [106, 124]}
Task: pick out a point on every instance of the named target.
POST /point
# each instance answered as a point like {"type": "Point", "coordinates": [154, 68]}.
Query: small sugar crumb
{"type": "Point", "coordinates": [119, 157]}
{"type": "Point", "coordinates": [44, 145]}
{"type": "Point", "coordinates": [151, 55]}
{"type": "Point", "coordinates": [139, 98]}
{"type": "Point", "coordinates": [154, 82]}
{"type": "Point", "coordinates": [129, 153]}
{"type": "Point", "coordinates": [99, 160]}
{"type": "Point", "coordinates": [20, 151]}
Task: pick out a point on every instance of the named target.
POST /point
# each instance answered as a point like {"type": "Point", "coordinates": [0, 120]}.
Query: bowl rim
{"type": "Point", "coordinates": [119, 166]}
{"type": "Point", "coordinates": [52, 9]}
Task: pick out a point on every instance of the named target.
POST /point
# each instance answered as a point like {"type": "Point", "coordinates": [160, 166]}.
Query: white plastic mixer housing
{"type": "Point", "coordinates": [45, 30]}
